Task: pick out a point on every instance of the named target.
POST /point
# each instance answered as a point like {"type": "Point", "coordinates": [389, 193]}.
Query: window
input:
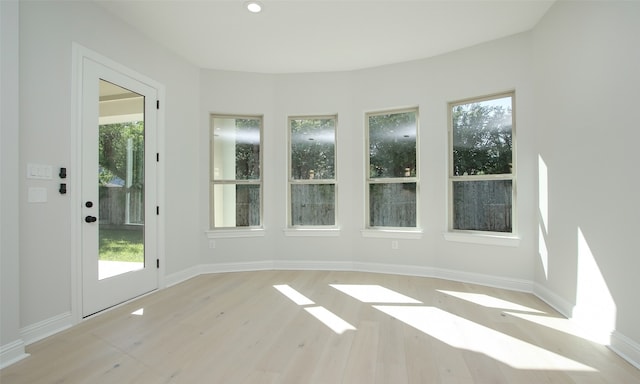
{"type": "Point", "coordinates": [312, 171]}
{"type": "Point", "coordinates": [392, 181]}
{"type": "Point", "coordinates": [481, 166]}
{"type": "Point", "coordinates": [236, 181]}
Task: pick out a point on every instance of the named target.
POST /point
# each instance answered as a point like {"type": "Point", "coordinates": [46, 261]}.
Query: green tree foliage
{"type": "Point", "coordinates": [482, 139]}
{"type": "Point", "coordinates": [247, 149]}
{"type": "Point", "coordinates": [392, 145]}
{"type": "Point", "coordinates": [313, 148]}
{"type": "Point", "coordinates": [113, 142]}
{"type": "Point", "coordinates": [392, 154]}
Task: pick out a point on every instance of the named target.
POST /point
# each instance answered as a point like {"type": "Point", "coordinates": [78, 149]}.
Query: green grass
{"type": "Point", "coordinates": [122, 245]}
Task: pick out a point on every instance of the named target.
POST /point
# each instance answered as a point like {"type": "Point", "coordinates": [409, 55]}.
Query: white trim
{"type": "Point", "coordinates": [12, 353]}
{"type": "Point", "coordinates": [248, 182]}
{"type": "Point", "coordinates": [182, 276]}
{"type": "Point", "coordinates": [348, 266]}
{"type": "Point", "coordinates": [45, 328]}
{"type": "Point", "coordinates": [405, 270]}
{"type": "Point", "coordinates": [79, 53]}
{"type": "Point", "coordinates": [481, 238]}
{"type": "Point", "coordinates": [311, 232]}
{"type": "Point", "coordinates": [368, 180]}
{"type": "Point", "coordinates": [291, 181]}
{"type": "Point", "coordinates": [234, 233]}
{"type": "Point", "coordinates": [160, 182]}
{"type": "Point", "coordinates": [297, 265]}
{"type": "Point", "coordinates": [504, 177]}
{"type": "Point", "coordinates": [392, 233]}
{"type": "Point", "coordinates": [237, 267]}
{"type": "Point", "coordinates": [625, 348]}
{"type": "Point", "coordinates": [501, 282]}
{"type": "Point", "coordinates": [556, 302]}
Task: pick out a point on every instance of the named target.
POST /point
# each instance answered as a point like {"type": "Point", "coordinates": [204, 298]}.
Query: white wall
{"type": "Point", "coordinates": [11, 344]}
{"type": "Point", "coordinates": [494, 67]}
{"type": "Point", "coordinates": [47, 30]}
{"type": "Point", "coordinates": [587, 77]}
{"type": "Point", "coordinates": [226, 92]}
{"type": "Point", "coordinates": [573, 76]}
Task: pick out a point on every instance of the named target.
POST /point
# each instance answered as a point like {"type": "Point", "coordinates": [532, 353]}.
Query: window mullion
{"type": "Point", "coordinates": [482, 144]}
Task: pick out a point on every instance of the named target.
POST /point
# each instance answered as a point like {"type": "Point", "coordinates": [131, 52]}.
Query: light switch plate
{"type": "Point", "coordinates": [37, 195]}
{"type": "Point", "coordinates": [39, 171]}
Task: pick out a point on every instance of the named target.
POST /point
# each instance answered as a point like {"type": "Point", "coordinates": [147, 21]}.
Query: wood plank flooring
{"type": "Point", "coordinates": [353, 328]}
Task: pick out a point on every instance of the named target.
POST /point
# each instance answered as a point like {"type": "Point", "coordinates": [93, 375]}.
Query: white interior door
{"type": "Point", "coordinates": [119, 218]}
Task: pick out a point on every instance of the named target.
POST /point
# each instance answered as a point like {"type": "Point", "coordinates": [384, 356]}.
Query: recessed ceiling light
{"type": "Point", "coordinates": [254, 6]}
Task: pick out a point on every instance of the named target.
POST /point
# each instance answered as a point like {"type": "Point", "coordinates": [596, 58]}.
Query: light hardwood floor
{"type": "Point", "coordinates": [261, 327]}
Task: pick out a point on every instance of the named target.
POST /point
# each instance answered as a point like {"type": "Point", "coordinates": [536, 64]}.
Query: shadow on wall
{"type": "Point", "coordinates": [594, 309]}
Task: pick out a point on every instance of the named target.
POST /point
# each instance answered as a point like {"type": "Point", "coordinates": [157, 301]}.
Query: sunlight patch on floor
{"type": "Point", "coordinates": [328, 318]}
{"type": "Point", "coordinates": [367, 293]}
{"type": "Point", "coordinates": [560, 324]}
{"type": "Point", "coordinates": [331, 320]}
{"type": "Point", "coordinates": [489, 301]}
{"type": "Point", "coordinates": [462, 333]}
{"type": "Point", "coordinates": [293, 295]}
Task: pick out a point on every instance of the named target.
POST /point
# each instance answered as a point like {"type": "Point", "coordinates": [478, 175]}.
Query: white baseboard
{"type": "Point", "coordinates": [556, 302]}
{"type": "Point", "coordinates": [439, 273]}
{"type": "Point", "coordinates": [407, 270]}
{"type": "Point", "coordinates": [486, 280]}
{"type": "Point", "coordinates": [179, 277]}
{"type": "Point", "coordinates": [12, 353]}
{"type": "Point", "coordinates": [38, 331]}
{"type": "Point", "coordinates": [238, 267]}
{"type": "Point", "coordinates": [626, 348]}
{"type": "Point", "coordinates": [297, 265]}
{"type": "Point", "coordinates": [184, 275]}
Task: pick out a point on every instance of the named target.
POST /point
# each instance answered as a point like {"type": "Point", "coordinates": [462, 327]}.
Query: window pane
{"type": "Point", "coordinates": [313, 148]}
{"type": "Point", "coordinates": [482, 205]}
{"type": "Point", "coordinates": [392, 205]}
{"type": "Point", "coordinates": [236, 205]}
{"type": "Point", "coordinates": [313, 204]}
{"type": "Point", "coordinates": [236, 148]}
{"type": "Point", "coordinates": [392, 145]}
{"type": "Point", "coordinates": [482, 137]}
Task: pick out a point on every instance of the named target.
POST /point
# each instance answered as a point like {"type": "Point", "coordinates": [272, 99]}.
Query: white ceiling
{"type": "Point", "coordinates": [323, 35]}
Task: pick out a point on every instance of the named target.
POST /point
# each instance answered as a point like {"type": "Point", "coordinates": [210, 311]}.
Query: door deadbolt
{"type": "Point", "coordinates": [90, 219]}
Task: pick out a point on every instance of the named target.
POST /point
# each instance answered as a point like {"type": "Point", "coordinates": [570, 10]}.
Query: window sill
{"type": "Point", "coordinates": [312, 232]}
{"type": "Point", "coordinates": [392, 233]}
{"type": "Point", "coordinates": [234, 233]}
{"type": "Point", "coordinates": [482, 238]}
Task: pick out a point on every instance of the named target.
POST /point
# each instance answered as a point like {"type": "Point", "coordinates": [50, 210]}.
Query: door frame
{"type": "Point", "coordinates": [74, 178]}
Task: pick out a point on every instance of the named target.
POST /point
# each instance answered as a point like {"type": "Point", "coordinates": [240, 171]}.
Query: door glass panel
{"type": "Point", "coordinates": [120, 181]}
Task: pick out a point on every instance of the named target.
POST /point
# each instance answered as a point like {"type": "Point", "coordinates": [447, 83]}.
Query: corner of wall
{"type": "Point", "coordinates": [12, 353]}
{"type": "Point", "coordinates": [11, 344]}
{"type": "Point", "coordinates": [556, 302]}
{"type": "Point", "coordinates": [626, 348]}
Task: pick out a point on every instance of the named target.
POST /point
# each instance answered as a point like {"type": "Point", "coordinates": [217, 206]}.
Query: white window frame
{"type": "Point", "coordinates": [382, 231]}
{"type": "Point", "coordinates": [479, 236]}
{"type": "Point", "coordinates": [238, 231]}
{"type": "Point", "coordinates": [311, 230]}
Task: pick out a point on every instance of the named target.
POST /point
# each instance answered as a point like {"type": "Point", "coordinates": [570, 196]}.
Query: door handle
{"type": "Point", "coordinates": [90, 219]}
